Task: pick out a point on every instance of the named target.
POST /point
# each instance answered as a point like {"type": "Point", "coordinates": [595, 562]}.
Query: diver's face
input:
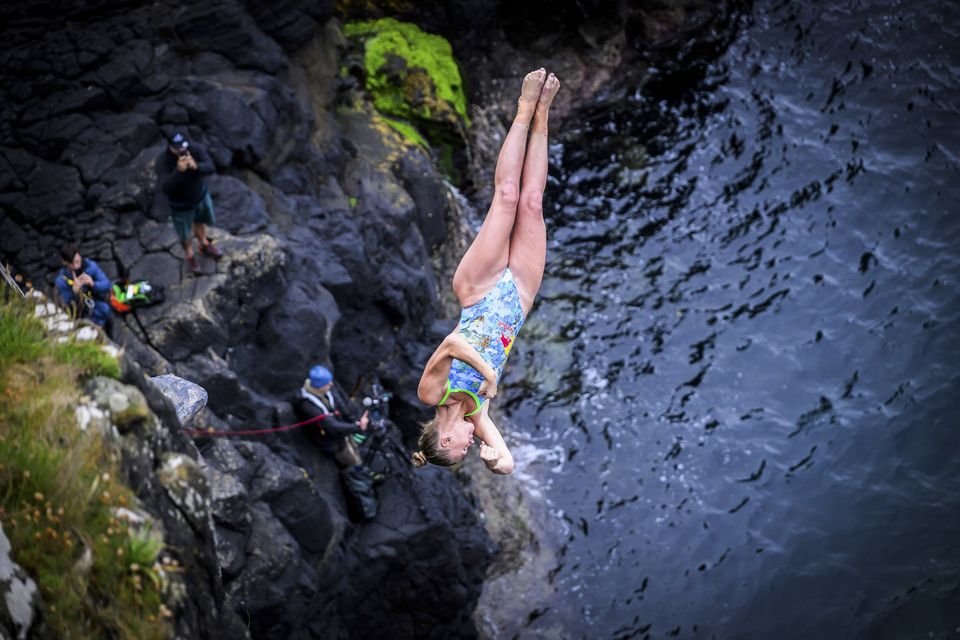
{"type": "Point", "coordinates": [457, 440]}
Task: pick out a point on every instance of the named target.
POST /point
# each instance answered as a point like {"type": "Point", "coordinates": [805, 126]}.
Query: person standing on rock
{"type": "Point", "coordinates": [333, 434]}
{"type": "Point", "coordinates": [84, 286]}
{"type": "Point", "coordinates": [496, 283]}
{"type": "Point", "coordinates": [181, 173]}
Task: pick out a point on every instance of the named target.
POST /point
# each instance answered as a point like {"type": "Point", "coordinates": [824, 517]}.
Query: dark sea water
{"type": "Point", "coordinates": [739, 395]}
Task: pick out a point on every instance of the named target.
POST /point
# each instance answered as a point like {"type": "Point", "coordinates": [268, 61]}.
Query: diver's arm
{"type": "Point", "coordinates": [494, 452]}
{"type": "Point", "coordinates": [462, 351]}
{"type": "Point", "coordinates": [435, 373]}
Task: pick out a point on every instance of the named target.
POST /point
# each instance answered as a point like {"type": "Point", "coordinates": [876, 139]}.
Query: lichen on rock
{"type": "Point", "coordinates": [20, 606]}
{"type": "Point", "coordinates": [415, 82]}
{"type": "Point", "coordinates": [426, 65]}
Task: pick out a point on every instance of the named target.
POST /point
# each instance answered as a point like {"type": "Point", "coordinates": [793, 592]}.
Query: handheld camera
{"type": "Point", "coordinates": [377, 403]}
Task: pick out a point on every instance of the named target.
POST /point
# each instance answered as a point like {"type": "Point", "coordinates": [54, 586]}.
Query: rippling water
{"type": "Point", "coordinates": [742, 370]}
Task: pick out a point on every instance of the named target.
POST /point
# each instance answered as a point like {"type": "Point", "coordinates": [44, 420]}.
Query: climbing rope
{"type": "Point", "coordinates": [202, 433]}
{"type": "Point", "coordinates": [11, 282]}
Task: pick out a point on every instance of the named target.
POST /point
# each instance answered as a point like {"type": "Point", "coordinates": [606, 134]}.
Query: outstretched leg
{"type": "Point", "coordinates": [528, 243]}
{"type": "Point", "coordinates": [489, 253]}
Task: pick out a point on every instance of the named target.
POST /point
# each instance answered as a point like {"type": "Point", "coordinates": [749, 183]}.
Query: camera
{"type": "Point", "coordinates": [184, 149]}
{"type": "Point", "coordinates": [378, 404]}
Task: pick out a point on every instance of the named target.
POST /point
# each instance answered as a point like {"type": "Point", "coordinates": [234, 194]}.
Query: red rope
{"type": "Point", "coordinates": [254, 432]}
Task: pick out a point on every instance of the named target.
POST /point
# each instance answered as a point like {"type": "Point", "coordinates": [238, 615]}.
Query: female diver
{"type": "Point", "coordinates": [496, 283]}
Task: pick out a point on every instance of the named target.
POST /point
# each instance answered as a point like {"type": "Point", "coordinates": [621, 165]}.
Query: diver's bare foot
{"type": "Point", "coordinates": [549, 91]}
{"type": "Point", "coordinates": [529, 94]}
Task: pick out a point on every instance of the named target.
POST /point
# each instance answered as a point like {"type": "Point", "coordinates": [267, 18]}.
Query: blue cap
{"type": "Point", "coordinates": [320, 376]}
{"type": "Point", "coordinates": [177, 140]}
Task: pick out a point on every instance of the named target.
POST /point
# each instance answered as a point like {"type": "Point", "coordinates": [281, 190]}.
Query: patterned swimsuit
{"type": "Point", "coordinates": [489, 326]}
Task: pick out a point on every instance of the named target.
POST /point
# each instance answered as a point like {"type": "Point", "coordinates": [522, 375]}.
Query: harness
{"type": "Point", "coordinates": [318, 402]}
{"type": "Point", "coordinates": [87, 298]}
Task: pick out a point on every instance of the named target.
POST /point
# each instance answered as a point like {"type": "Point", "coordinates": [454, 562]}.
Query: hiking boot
{"type": "Point", "coordinates": [193, 264]}
{"type": "Point", "coordinates": [210, 250]}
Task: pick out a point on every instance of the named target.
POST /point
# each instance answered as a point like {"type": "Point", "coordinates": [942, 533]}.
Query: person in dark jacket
{"type": "Point", "coordinates": [181, 173]}
{"type": "Point", "coordinates": [84, 286]}
{"type": "Point", "coordinates": [333, 434]}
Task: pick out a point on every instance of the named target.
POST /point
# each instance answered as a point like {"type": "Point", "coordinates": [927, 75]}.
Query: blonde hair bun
{"type": "Point", "coordinates": [419, 459]}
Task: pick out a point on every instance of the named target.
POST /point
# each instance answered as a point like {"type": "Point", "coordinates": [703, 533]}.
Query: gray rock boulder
{"type": "Point", "coordinates": [21, 608]}
{"type": "Point", "coordinates": [188, 398]}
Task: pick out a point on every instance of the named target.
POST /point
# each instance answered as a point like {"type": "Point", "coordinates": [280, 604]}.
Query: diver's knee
{"type": "Point", "coordinates": [508, 193]}
{"type": "Point", "coordinates": [531, 202]}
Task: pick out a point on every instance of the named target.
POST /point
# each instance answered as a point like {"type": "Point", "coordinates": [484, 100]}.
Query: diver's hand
{"type": "Point", "coordinates": [489, 455]}
{"type": "Point", "coordinates": [488, 389]}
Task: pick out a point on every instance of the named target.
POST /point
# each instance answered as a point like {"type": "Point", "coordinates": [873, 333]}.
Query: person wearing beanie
{"type": "Point", "coordinates": [181, 173]}
{"type": "Point", "coordinates": [332, 435]}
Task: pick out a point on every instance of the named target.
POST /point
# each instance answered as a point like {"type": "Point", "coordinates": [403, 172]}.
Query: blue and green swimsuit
{"type": "Point", "coordinates": [490, 326]}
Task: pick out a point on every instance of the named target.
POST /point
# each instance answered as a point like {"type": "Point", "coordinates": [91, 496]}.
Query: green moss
{"type": "Point", "coordinates": [408, 131]}
{"type": "Point", "coordinates": [415, 82]}
{"type": "Point", "coordinates": [447, 165]}
{"type": "Point", "coordinates": [59, 488]}
{"type": "Point", "coordinates": [395, 53]}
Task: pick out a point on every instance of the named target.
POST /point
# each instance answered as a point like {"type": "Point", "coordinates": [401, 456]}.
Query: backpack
{"type": "Point", "coordinates": [126, 294]}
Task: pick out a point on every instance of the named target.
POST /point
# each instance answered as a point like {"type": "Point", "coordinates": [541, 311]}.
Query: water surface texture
{"type": "Point", "coordinates": [739, 390]}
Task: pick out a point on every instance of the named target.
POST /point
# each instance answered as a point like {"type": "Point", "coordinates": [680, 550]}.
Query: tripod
{"type": "Point", "coordinates": [382, 454]}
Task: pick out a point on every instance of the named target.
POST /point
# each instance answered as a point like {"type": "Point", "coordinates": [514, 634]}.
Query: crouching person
{"type": "Point", "coordinates": [84, 287]}
{"type": "Point", "coordinates": [334, 434]}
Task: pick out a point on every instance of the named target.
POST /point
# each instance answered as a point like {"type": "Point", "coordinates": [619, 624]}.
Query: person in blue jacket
{"type": "Point", "coordinates": [84, 286]}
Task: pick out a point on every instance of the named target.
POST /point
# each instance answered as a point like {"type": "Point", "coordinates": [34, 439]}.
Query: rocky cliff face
{"type": "Point", "coordinates": [326, 217]}
{"type": "Point", "coordinates": [338, 233]}
{"type": "Point", "coordinates": [138, 433]}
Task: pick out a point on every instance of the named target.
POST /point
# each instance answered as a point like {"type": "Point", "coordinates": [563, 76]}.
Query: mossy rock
{"type": "Point", "coordinates": [415, 82]}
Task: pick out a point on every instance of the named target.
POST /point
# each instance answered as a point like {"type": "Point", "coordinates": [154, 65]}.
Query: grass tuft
{"type": "Point", "coordinates": [59, 491]}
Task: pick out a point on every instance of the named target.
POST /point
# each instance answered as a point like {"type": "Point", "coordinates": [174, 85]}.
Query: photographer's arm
{"type": "Point", "coordinates": [335, 426]}
{"type": "Point", "coordinates": [202, 159]}
{"type": "Point", "coordinates": [348, 409]}
{"type": "Point", "coordinates": [437, 370]}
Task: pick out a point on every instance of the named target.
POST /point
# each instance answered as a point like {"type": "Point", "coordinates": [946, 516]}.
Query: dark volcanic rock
{"type": "Point", "coordinates": [243, 210]}
{"type": "Point", "coordinates": [293, 335]}
{"type": "Point", "coordinates": [292, 23]}
{"type": "Point", "coordinates": [223, 26]}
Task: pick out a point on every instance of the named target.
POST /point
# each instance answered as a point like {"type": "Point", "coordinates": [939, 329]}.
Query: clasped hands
{"type": "Point", "coordinates": [186, 162]}
{"type": "Point", "coordinates": [81, 281]}
{"type": "Point", "coordinates": [488, 389]}
{"type": "Point", "coordinates": [489, 455]}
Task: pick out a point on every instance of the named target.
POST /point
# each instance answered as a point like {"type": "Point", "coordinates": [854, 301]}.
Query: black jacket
{"type": "Point", "coordinates": [184, 190]}
{"type": "Point", "coordinates": [328, 434]}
